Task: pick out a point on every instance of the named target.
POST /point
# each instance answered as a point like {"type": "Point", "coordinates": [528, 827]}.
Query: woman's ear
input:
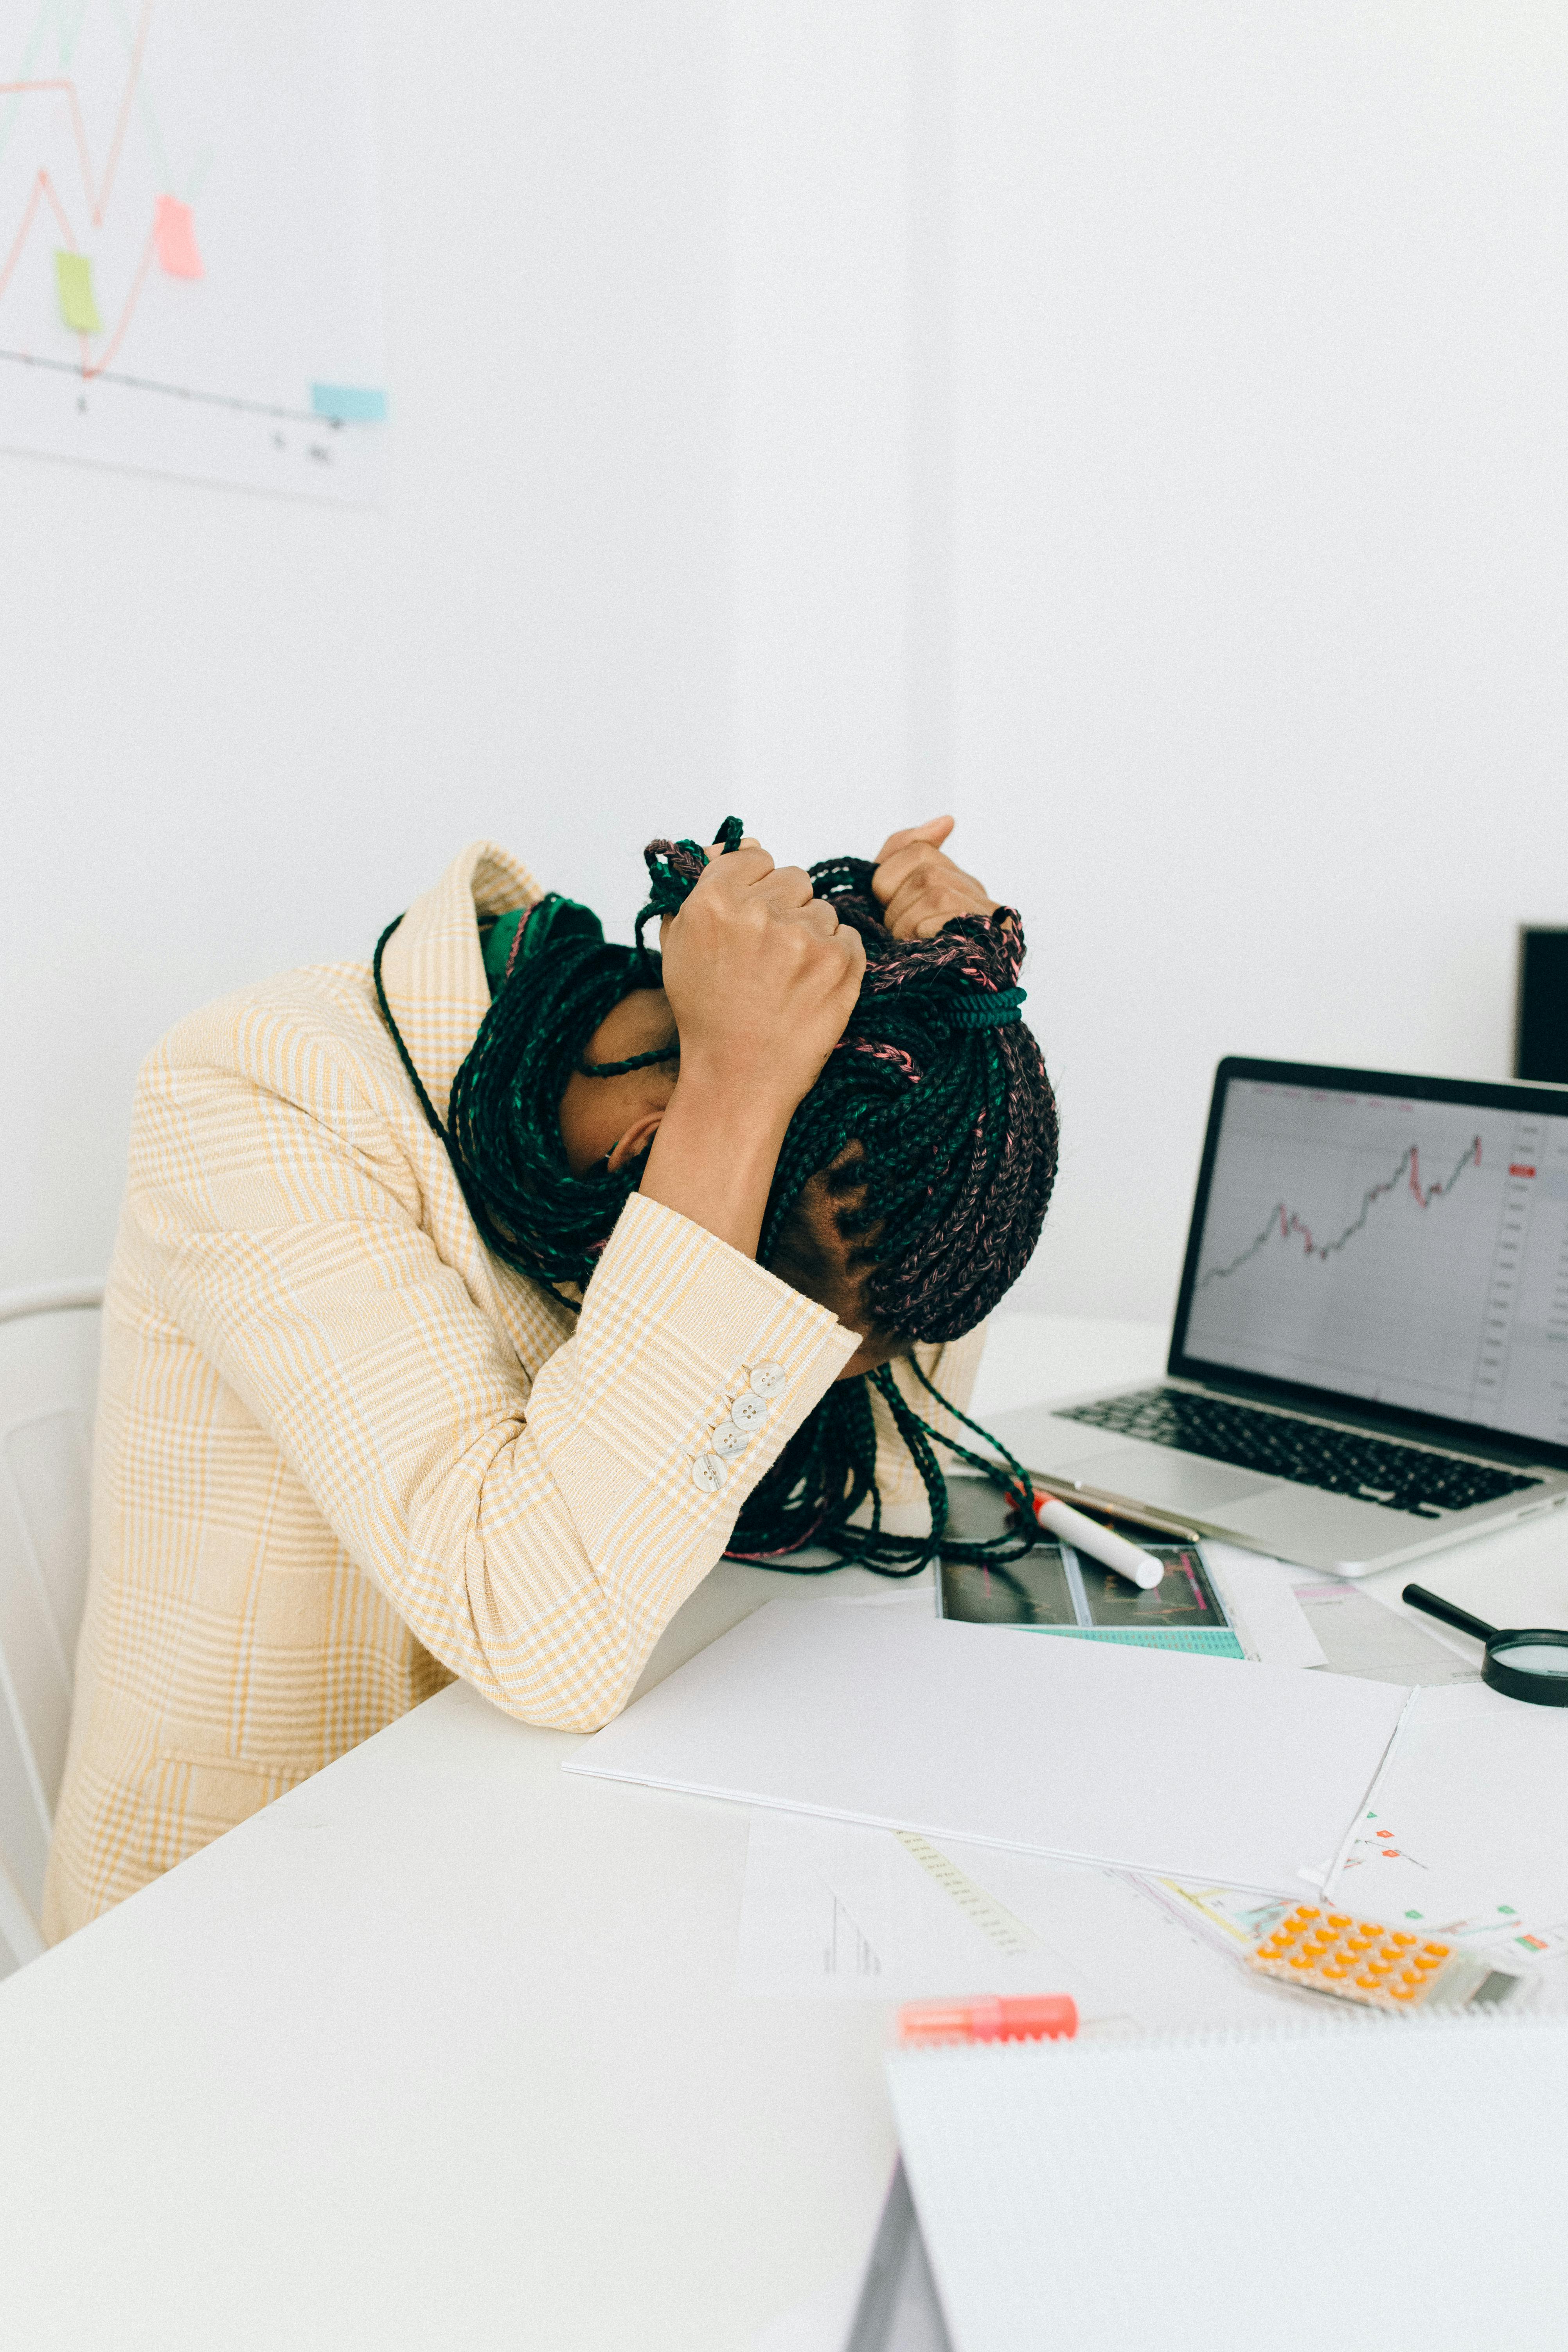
{"type": "Point", "coordinates": [636, 1139]}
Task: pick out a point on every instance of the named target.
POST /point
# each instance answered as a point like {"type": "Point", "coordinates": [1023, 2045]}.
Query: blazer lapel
{"type": "Point", "coordinates": [433, 970]}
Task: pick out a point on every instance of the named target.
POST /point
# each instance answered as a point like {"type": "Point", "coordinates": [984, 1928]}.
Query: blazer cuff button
{"type": "Point", "coordinates": [708, 1473]}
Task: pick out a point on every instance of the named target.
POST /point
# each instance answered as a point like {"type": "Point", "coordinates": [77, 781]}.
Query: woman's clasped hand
{"type": "Point", "coordinates": [761, 976]}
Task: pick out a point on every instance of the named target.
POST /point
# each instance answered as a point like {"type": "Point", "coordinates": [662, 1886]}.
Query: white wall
{"type": "Point", "coordinates": [238, 732]}
{"type": "Point", "coordinates": [1139, 426]}
{"type": "Point", "coordinates": [1261, 335]}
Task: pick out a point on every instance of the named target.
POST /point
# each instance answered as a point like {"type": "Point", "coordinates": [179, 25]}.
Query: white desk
{"type": "Point", "coordinates": [444, 2047]}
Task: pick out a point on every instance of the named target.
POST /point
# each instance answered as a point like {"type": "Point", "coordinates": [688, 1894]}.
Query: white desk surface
{"type": "Point", "coordinates": [445, 2048]}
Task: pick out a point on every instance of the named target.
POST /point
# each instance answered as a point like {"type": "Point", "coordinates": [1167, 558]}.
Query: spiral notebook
{"type": "Point", "coordinates": [1335, 2184]}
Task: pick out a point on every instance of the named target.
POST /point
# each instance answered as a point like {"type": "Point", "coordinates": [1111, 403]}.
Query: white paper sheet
{"type": "Point", "coordinates": [1259, 1594]}
{"type": "Point", "coordinates": [1469, 1824]}
{"type": "Point", "coordinates": [855, 1914]}
{"type": "Point", "coordinates": [1177, 1766]}
{"type": "Point", "coordinates": [1361, 1635]}
{"type": "Point", "coordinates": [843, 1913]}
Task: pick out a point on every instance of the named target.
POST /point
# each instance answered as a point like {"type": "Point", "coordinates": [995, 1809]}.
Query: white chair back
{"type": "Point", "coordinates": [48, 1381]}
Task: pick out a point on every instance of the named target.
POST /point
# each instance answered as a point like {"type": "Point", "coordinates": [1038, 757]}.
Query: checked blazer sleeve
{"type": "Point", "coordinates": [535, 1535]}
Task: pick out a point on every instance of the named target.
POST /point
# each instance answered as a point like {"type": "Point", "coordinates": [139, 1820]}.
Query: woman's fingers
{"type": "Point", "coordinates": [935, 830]}
{"type": "Point", "coordinates": [907, 867]}
{"type": "Point", "coordinates": [918, 885]}
{"type": "Point", "coordinates": [789, 886]}
{"type": "Point", "coordinates": [737, 869]}
{"type": "Point", "coordinates": [894, 868]}
{"type": "Point", "coordinates": [933, 897]}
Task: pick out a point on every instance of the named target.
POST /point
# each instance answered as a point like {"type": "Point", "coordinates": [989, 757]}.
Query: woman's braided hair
{"type": "Point", "coordinates": [932, 1121]}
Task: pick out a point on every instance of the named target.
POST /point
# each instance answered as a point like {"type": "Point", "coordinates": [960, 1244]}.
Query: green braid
{"type": "Point", "coordinates": [503, 1134]}
{"type": "Point", "coordinates": [834, 1453]}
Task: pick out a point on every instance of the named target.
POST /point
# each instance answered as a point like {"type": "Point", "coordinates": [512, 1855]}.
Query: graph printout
{"type": "Point", "coordinates": [189, 251]}
{"type": "Point", "coordinates": [1415, 1253]}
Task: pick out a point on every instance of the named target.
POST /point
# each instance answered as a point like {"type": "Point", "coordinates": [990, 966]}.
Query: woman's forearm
{"type": "Point", "coordinates": [714, 1155]}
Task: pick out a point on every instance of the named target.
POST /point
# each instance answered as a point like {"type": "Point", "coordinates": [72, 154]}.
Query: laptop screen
{"type": "Point", "coordinates": [1366, 1237]}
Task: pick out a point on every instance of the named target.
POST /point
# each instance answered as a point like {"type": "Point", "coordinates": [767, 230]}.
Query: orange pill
{"type": "Point", "coordinates": [1339, 1919]}
{"type": "Point", "coordinates": [1439, 1951]}
{"type": "Point", "coordinates": [1427, 1962]}
{"type": "Point", "coordinates": [1300, 1960]}
{"type": "Point", "coordinates": [1367, 1981]}
{"type": "Point", "coordinates": [1368, 1927]}
{"type": "Point", "coordinates": [1403, 1991]}
{"type": "Point", "coordinates": [1336, 1968]}
{"type": "Point", "coordinates": [1402, 1939]}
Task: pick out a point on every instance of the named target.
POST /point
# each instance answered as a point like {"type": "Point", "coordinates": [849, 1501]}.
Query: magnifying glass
{"type": "Point", "coordinates": [1530, 1664]}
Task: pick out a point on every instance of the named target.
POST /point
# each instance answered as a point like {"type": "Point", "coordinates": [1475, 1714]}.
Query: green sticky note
{"type": "Point", "coordinates": [73, 277]}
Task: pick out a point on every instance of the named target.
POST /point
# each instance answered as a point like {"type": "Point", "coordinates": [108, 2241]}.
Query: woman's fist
{"type": "Point", "coordinates": [919, 887]}
{"type": "Point", "coordinates": [761, 976]}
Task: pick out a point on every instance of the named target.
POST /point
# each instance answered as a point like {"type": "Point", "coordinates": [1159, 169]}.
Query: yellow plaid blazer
{"type": "Point", "coordinates": [344, 1455]}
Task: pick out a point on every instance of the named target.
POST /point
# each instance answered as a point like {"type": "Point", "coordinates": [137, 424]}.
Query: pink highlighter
{"type": "Point", "coordinates": [984, 2017]}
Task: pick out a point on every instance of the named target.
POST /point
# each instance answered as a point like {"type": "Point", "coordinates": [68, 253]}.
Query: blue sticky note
{"type": "Point", "coordinates": [349, 403]}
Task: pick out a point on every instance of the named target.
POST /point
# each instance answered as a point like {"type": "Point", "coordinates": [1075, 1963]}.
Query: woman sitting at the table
{"type": "Point", "coordinates": [468, 1308]}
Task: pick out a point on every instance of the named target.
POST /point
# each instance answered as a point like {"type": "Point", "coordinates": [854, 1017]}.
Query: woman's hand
{"type": "Point", "coordinates": [762, 979]}
{"type": "Point", "coordinates": [919, 887]}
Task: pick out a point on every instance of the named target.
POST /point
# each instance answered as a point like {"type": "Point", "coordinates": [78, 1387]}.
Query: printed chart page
{"type": "Point", "coordinates": [189, 253]}
{"type": "Point", "coordinates": [1412, 1253]}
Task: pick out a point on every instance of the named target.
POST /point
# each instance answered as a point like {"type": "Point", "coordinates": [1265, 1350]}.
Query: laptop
{"type": "Point", "coordinates": [1369, 1355]}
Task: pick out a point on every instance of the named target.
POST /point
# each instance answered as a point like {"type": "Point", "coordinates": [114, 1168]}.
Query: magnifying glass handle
{"type": "Point", "coordinates": [1419, 1598]}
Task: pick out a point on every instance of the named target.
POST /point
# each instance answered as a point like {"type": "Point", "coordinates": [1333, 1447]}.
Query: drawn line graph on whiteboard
{"type": "Point", "coordinates": [171, 235]}
{"type": "Point", "coordinates": [187, 225]}
{"type": "Point", "coordinates": [1285, 1223]}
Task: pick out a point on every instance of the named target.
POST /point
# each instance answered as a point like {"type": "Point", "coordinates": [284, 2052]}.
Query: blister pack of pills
{"type": "Point", "coordinates": [1382, 1968]}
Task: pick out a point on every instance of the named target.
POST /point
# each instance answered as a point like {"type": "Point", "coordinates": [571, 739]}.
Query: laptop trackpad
{"type": "Point", "coordinates": [1169, 1481]}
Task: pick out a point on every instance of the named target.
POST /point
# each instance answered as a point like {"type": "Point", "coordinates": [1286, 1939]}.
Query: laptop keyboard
{"type": "Point", "coordinates": [1401, 1478]}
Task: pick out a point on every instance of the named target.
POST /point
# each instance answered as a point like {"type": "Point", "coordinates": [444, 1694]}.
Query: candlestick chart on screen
{"type": "Point", "coordinates": [1415, 1253]}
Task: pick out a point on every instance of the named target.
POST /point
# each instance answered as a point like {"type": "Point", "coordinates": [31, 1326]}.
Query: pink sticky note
{"type": "Point", "coordinates": [175, 229]}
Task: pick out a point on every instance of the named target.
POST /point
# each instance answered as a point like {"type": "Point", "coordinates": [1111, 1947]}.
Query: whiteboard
{"type": "Point", "coordinates": [190, 271]}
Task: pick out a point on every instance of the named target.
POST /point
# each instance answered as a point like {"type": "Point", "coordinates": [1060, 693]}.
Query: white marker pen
{"type": "Point", "coordinates": [1139, 1567]}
